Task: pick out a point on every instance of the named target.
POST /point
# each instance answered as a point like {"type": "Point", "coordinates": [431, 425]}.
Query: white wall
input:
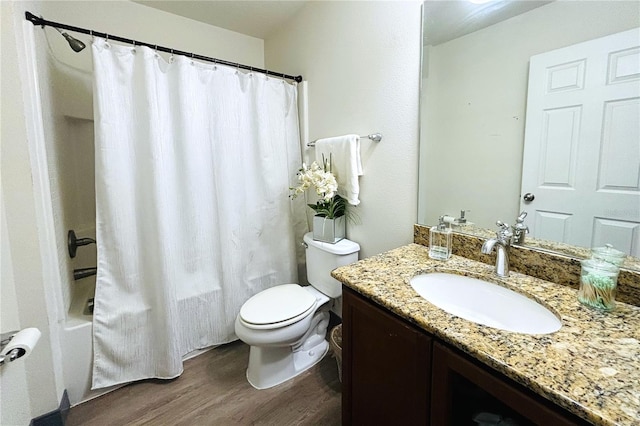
{"type": "Point", "coordinates": [475, 98]}
{"type": "Point", "coordinates": [13, 378]}
{"type": "Point", "coordinates": [36, 382]}
{"type": "Point", "coordinates": [362, 62]}
{"type": "Point", "coordinates": [139, 22]}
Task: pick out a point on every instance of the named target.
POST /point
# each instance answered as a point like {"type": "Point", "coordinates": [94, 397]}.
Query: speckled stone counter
{"type": "Point", "coordinates": [591, 366]}
{"type": "Point", "coordinates": [561, 266]}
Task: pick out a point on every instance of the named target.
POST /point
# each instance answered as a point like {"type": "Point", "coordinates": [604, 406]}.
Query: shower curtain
{"type": "Point", "coordinates": [193, 166]}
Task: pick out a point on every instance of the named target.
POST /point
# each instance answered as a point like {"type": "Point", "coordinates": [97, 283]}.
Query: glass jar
{"type": "Point", "coordinates": [598, 284]}
{"type": "Point", "coordinates": [609, 254]}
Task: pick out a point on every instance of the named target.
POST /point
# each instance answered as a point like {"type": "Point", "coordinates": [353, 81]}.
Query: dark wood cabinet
{"type": "Point", "coordinates": [386, 366]}
{"type": "Point", "coordinates": [396, 373]}
{"type": "Point", "coordinates": [463, 388]}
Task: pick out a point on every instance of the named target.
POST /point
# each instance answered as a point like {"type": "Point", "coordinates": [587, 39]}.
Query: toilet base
{"type": "Point", "coordinates": [272, 365]}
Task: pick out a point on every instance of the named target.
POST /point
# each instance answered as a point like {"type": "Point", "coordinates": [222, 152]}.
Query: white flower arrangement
{"type": "Point", "coordinates": [329, 204]}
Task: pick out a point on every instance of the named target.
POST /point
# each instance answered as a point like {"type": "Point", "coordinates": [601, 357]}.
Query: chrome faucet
{"type": "Point", "coordinates": [519, 229]}
{"type": "Point", "coordinates": [502, 242]}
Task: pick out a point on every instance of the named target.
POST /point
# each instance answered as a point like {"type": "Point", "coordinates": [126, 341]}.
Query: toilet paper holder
{"type": "Point", "coordinates": [5, 338]}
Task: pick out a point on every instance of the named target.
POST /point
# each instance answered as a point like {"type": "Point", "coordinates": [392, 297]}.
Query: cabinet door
{"type": "Point", "coordinates": [386, 366]}
{"type": "Point", "coordinates": [461, 389]}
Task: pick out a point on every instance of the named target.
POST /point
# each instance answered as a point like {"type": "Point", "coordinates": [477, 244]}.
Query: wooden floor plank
{"type": "Point", "coordinates": [213, 390]}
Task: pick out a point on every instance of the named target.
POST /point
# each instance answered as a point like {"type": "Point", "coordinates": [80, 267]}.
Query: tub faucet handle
{"type": "Point", "coordinates": [74, 242]}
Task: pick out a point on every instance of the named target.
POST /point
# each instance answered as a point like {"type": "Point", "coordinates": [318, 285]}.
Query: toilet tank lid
{"type": "Point", "coordinates": [341, 247]}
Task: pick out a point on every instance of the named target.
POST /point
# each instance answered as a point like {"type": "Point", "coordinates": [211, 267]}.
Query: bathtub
{"type": "Point", "coordinates": [77, 345]}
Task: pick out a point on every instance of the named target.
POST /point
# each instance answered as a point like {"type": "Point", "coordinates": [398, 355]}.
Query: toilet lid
{"type": "Point", "coordinates": [277, 304]}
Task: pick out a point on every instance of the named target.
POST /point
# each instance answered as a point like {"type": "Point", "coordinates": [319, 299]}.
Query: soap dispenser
{"type": "Point", "coordinates": [440, 241]}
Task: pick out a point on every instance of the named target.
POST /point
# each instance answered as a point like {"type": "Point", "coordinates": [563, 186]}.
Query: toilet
{"type": "Point", "coordinates": [286, 325]}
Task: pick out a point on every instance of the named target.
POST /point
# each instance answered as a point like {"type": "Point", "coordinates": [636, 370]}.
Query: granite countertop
{"type": "Point", "coordinates": [591, 366]}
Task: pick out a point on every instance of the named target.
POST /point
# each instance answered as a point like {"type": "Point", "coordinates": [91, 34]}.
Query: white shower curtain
{"type": "Point", "coordinates": [193, 166]}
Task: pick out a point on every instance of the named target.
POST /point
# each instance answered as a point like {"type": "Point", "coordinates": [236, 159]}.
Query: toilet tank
{"type": "Point", "coordinates": [322, 258]}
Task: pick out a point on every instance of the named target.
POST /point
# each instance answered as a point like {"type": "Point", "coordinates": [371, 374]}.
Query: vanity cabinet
{"type": "Point", "coordinates": [386, 368]}
{"type": "Point", "coordinates": [396, 373]}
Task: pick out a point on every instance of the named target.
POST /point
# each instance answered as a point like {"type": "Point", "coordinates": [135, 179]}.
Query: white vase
{"type": "Point", "coordinates": [329, 230]}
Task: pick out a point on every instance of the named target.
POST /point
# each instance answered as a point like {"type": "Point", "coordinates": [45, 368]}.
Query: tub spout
{"type": "Point", "coordinates": [84, 272]}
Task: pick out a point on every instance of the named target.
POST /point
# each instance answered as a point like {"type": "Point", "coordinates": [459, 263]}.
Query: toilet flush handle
{"type": "Point", "coordinates": [305, 245]}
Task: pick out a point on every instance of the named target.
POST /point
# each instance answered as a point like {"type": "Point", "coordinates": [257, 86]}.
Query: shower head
{"type": "Point", "coordinates": [74, 43]}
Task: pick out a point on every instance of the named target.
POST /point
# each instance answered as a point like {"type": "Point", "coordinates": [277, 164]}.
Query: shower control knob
{"type": "Point", "coordinates": [528, 197]}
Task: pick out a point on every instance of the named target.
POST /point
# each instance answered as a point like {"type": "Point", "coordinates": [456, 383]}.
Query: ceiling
{"type": "Point", "coordinates": [255, 18]}
{"type": "Point", "coordinates": [444, 19]}
{"type": "Point", "coordinates": [448, 20]}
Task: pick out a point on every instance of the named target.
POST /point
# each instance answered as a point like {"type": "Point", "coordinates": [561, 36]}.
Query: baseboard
{"type": "Point", "coordinates": [56, 417]}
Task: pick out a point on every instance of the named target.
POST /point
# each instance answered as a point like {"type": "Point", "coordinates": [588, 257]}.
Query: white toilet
{"type": "Point", "coordinates": [286, 325]}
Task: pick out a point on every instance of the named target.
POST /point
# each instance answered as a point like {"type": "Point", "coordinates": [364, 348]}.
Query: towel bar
{"type": "Point", "coordinates": [376, 137]}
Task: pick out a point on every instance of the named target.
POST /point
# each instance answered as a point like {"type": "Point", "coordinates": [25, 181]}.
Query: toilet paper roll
{"type": "Point", "coordinates": [24, 340]}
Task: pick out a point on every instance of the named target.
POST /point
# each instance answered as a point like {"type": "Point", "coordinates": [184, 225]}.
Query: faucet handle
{"type": "Point", "coordinates": [520, 218]}
{"type": "Point", "coordinates": [503, 226]}
{"type": "Point", "coordinates": [504, 233]}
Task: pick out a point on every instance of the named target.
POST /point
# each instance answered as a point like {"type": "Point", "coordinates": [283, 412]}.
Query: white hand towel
{"type": "Point", "coordinates": [346, 164]}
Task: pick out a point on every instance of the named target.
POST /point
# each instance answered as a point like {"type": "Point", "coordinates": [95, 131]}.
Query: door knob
{"type": "Point", "coordinates": [528, 197]}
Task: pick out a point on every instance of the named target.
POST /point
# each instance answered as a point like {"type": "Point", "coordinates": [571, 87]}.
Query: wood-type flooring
{"type": "Point", "coordinates": [213, 390]}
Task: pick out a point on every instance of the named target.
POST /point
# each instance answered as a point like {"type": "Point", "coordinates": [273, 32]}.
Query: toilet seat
{"type": "Point", "coordinates": [277, 306]}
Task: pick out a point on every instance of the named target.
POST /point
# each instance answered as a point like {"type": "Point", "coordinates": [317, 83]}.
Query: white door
{"type": "Point", "coordinates": [581, 160]}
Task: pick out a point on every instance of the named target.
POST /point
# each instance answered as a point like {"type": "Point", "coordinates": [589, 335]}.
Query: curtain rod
{"type": "Point", "coordinates": [35, 20]}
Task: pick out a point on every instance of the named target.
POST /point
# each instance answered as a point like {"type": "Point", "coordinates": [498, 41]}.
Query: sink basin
{"type": "Point", "coordinates": [485, 303]}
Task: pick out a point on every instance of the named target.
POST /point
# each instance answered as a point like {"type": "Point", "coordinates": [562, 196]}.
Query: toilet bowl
{"type": "Point", "coordinates": [286, 325]}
